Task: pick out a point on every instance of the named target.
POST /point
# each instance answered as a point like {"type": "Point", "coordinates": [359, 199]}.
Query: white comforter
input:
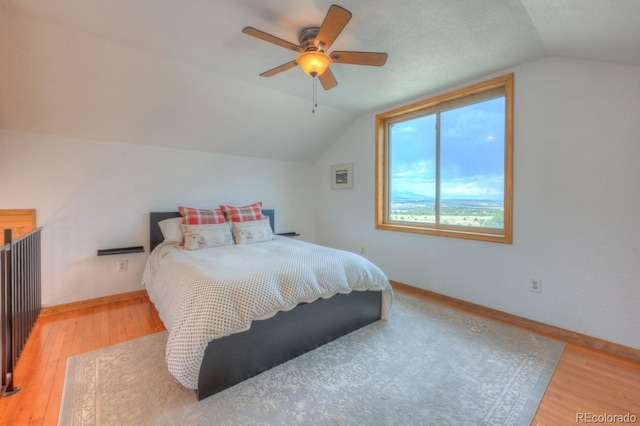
{"type": "Point", "coordinates": [207, 294]}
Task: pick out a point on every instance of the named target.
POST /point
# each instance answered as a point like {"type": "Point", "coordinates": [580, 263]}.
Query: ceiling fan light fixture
{"type": "Point", "coordinates": [314, 63]}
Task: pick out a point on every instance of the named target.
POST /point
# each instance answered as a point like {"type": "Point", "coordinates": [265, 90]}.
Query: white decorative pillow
{"type": "Point", "coordinates": [171, 230]}
{"type": "Point", "coordinates": [203, 236]}
{"type": "Point", "coordinates": [255, 231]}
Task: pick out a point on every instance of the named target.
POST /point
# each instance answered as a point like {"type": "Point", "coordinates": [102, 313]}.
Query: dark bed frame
{"type": "Point", "coordinates": [271, 342]}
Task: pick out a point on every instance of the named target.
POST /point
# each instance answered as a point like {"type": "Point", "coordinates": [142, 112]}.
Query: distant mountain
{"type": "Point", "coordinates": [408, 195]}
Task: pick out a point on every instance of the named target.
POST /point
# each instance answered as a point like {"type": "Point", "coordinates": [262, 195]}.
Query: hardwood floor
{"type": "Point", "coordinates": [41, 369]}
{"type": "Point", "coordinates": [585, 380]}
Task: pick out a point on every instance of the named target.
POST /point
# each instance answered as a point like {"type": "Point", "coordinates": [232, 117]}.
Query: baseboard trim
{"type": "Point", "coordinates": [51, 310]}
{"type": "Point", "coordinates": [547, 330]}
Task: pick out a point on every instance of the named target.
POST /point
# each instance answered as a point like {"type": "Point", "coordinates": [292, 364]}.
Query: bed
{"type": "Point", "coordinates": [210, 358]}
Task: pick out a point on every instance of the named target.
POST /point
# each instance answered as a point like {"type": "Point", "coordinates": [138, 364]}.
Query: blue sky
{"type": "Point", "coordinates": [472, 153]}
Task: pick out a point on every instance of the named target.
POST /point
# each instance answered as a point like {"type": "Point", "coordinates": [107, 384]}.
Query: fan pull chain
{"type": "Point", "coordinates": [315, 95]}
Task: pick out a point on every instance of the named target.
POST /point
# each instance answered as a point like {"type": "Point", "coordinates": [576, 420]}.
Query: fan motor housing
{"type": "Point", "coordinates": [307, 37]}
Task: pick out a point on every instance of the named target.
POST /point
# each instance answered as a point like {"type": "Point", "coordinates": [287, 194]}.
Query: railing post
{"type": "Point", "coordinates": [8, 357]}
{"type": "Point", "coordinates": [4, 263]}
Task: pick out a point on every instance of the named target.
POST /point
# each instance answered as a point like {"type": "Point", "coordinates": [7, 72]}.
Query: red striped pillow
{"type": "Point", "coordinates": [244, 213]}
{"type": "Point", "coordinates": [201, 217]}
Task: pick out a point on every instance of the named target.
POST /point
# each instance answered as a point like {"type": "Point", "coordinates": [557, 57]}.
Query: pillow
{"type": "Point", "coordinates": [171, 230]}
{"type": "Point", "coordinates": [204, 236]}
{"type": "Point", "coordinates": [201, 217]}
{"type": "Point", "coordinates": [243, 214]}
{"type": "Point", "coordinates": [255, 231]}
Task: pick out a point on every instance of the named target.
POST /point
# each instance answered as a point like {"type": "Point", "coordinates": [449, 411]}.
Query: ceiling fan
{"type": "Point", "coordinates": [313, 44]}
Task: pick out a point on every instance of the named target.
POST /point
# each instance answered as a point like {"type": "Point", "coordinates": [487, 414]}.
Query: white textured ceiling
{"type": "Point", "coordinates": [182, 74]}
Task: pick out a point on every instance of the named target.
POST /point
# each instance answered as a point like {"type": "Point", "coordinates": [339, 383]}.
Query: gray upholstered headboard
{"type": "Point", "coordinates": [155, 235]}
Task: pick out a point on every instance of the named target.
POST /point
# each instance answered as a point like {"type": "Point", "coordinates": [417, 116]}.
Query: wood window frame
{"type": "Point", "coordinates": [504, 235]}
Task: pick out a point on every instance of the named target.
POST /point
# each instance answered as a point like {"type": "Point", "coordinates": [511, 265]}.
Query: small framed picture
{"type": "Point", "coordinates": [342, 176]}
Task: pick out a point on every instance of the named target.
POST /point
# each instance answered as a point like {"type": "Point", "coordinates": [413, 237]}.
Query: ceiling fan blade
{"type": "Point", "coordinates": [359, 58]}
{"type": "Point", "coordinates": [279, 69]}
{"type": "Point", "coordinates": [271, 39]}
{"type": "Point", "coordinates": [333, 24]}
{"type": "Point", "coordinates": [327, 79]}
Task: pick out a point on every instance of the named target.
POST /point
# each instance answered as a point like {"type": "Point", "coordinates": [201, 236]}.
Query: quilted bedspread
{"type": "Point", "coordinates": [206, 294]}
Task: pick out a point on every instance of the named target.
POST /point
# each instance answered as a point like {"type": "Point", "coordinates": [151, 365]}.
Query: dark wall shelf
{"type": "Point", "coordinates": [121, 250]}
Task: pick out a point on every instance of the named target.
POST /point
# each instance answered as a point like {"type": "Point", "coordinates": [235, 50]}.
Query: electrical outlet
{"type": "Point", "coordinates": [122, 265]}
{"type": "Point", "coordinates": [535, 285]}
{"type": "Point", "coordinates": [361, 250]}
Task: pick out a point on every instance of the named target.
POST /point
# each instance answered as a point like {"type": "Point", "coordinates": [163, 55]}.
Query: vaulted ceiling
{"type": "Point", "coordinates": [182, 74]}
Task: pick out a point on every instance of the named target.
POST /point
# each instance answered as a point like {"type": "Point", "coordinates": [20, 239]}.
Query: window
{"type": "Point", "coordinates": [444, 166]}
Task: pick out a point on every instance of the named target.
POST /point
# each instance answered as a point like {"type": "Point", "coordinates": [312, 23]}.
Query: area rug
{"type": "Point", "coordinates": [427, 365]}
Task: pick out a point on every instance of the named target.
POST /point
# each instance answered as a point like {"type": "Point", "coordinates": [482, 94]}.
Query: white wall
{"type": "Point", "coordinates": [575, 220]}
{"type": "Point", "coordinates": [95, 195]}
{"type": "Point", "coordinates": [576, 227]}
